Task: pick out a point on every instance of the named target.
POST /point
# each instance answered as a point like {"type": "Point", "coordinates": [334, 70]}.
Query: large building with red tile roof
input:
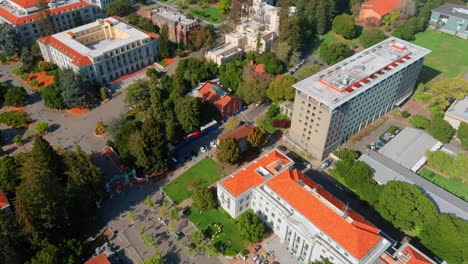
{"type": "Point", "coordinates": [240, 133]}
{"type": "Point", "coordinates": [102, 51]}
{"type": "Point", "coordinates": [99, 259]}
{"type": "Point", "coordinates": [4, 203]}
{"type": "Point", "coordinates": [23, 15]}
{"type": "Point", "coordinates": [310, 222]}
{"type": "Point", "coordinates": [375, 10]}
{"type": "Point", "coordinates": [226, 103]}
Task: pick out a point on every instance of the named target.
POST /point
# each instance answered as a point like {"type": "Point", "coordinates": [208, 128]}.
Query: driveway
{"type": "Point", "coordinates": [274, 246]}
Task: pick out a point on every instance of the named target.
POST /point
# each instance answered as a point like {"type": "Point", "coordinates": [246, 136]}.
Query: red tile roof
{"type": "Point", "coordinates": [28, 3]}
{"type": "Point", "coordinates": [227, 105]}
{"type": "Point", "coordinates": [3, 200]}
{"type": "Point", "coordinates": [416, 257]}
{"type": "Point", "coordinates": [30, 18]}
{"type": "Point", "coordinates": [382, 7]}
{"type": "Point", "coordinates": [260, 68]}
{"type": "Point", "coordinates": [99, 259]}
{"type": "Point", "coordinates": [238, 133]}
{"type": "Point", "coordinates": [248, 178]}
{"type": "Point", "coordinates": [358, 238]}
{"type": "Point", "coordinates": [78, 59]}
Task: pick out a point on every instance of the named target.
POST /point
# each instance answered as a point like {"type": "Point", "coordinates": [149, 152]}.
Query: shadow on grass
{"type": "Point", "coordinates": [428, 74]}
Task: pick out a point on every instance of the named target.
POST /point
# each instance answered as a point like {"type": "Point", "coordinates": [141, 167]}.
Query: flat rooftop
{"type": "Point", "coordinates": [453, 10]}
{"type": "Point", "coordinates": [98, 48]}
{"type": "Point", "coordinates": [459, 109]}
{"type": "Point", "coordinates": [174, 16]}
{"type": "Point", "coordinates": [339, 83]}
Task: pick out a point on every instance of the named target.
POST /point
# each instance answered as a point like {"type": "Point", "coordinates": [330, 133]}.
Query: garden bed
{"type": "Point", "coordinates": [202, 174]}
{"type": "Point", "coordinates": [41, 79]}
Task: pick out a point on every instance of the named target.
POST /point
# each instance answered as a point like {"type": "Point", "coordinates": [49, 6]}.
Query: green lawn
{"type": "Point", "coordinates": [448, 57]}
{"type": "Point", "coordinates": [330, 38]}
{"type": "Point", "coordinates": [230, 234]}
{"type": "Point", "coordinates": [203, 174]}
{"type": "Point", "coordinates": [423, 97]}
{"type": "Point", "coordinates": [208, 13]}
{"type": "Point", "coordinates": [451, 185]}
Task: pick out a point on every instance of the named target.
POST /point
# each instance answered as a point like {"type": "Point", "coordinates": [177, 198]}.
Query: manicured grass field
{"type": "Point", "coordinates": [230, 234]}
{"type": "Point", "coordinates": [208, 13]}
{"type": "Point", "coordinates": [451, 185]}
{"type": "Point", "coordinates": [448, 58]}
{"type": "Point", "coordinates": [423, 97]}
{"type": "Point", "coordinates": [202, 174]}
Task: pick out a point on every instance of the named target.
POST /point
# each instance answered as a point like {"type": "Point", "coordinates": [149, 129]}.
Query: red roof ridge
{"type": "Point", "coordinates": [237, 133]}
{"type": "Point", "coordinates": [79, 59]}
{"type": "Point", "coordinates": [3, 200]}
{"type": "Point", "coordinates": [99, 259]}
{"type": "Point", "coordinates": [382, 7]}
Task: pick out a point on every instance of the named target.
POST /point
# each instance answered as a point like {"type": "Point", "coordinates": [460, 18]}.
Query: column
{"type": "Point", "coordinates": [299, 249]}
{"type": "Point", "coordinates": [293, 238]}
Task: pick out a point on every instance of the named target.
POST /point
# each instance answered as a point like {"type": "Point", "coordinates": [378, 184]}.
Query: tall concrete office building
{"type": "Point", "coordinates": [332, 105]}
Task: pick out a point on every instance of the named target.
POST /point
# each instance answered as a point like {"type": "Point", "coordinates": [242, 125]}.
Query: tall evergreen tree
{"type": "Point", "coordinates": [157, 108]}
{"type": "Point", "coordinates": [44, 20]}
{"type": "Point", "coordinates": [9, 41]}
{"type": "Point", "coordinates": [164, 48]}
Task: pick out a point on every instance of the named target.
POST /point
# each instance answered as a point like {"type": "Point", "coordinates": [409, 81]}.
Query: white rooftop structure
{"type": "Point", "coordinates": [457, 112]}
{"type": "Point", "coordinates": [339, 83]}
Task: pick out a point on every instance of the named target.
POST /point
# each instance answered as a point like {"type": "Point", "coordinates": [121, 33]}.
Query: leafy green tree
{"type": "Point", "coordinates": [73, 86]}
{"type": "Point", "coordinates": [273, 110]}
{"type": "Point", "coordinates": [399, 200]}
{"type": "Point", "coordinates": [173, 128]}
{"type": "Point", "coordinates": [153, 260]}
{"type": "Point", "coordinates": [3, 91]}
{"type": "Point", "coordinates": [391, 17]}
{"type": "Point", "coordinates": [462, 134]}
{"type": "Point", "coordinates": [39, 197]}
{"type": "Point", "coordinates": [9, 40]}
{"type": "Point", "coordinates": [118, 8]}
{"type": "Point", "coordinates": [16, 96]}
{"type": "Point", "coordinates": [407, 30]}
{"type": "Point", "coordinates": [251, 226]}
{"type": "Point", "coordinates": [370, 37]}
{"type": "Point", "coordinates": [253, 90]}
{"type": "Point", "coordinates": [345, 26]}
{"type": "Point", "coordinates": [419, 121]}
{"type": "Point", "coordinates": [228, 151]}
{"type": "Point", "coordinates": [152, 74]}
{"type": "Point", "coordinates": [13, 242]}
{"type": "Point", "coordinates": [156, 99]}
{"type": "Point", "coordinates": [439, 160]}
{"type": "Point", "coordinates": [307, 71]}
{"type": "Point", "coordinates": [257, 137]}
{"type": "Point", "coordinates": [51, 96]}
{"type": "Point", "coordinates": [9, 173]}
{"type": "Point", "coordinates": [281, 88]}
{"type": "Point", "coordinates": [346, 154]}
{"type": "Point", "coordinates": [231, 123]}
{"type": "Point", "coordinates": [273, 65]}
{"type": "Point", "coordinates": [441, 130]}
{"type": "Point", "coordinates": [187, 110]}
{"type": "Point", "coordinates": [196, 237]}
{"type": "Point", "coordinates": [18, 139]}
{"type": "Point", "coordinates": [230, 74]}
{"type": "Point", "coordinates": [203, 199]}
{"type": "Point", "coordinates": [27, 59]}
{"type": "Point", "coordinates": [164, 45]}
{"type": "Point", "coordinates": [174, 213]}
{"type": "Point", "coordinates": [48, 254]}
{"type": "Point", "coordinates": [224, 6]}
{"type": "Point", "coordinates": [41, 127]}
{"type": "Point", "coordinates": [122, 141]}
{"type": "Point", "coordinates": [202, 37]}
{"type": "Point", "coordinates": [137, 95]}
{"type": "Point", "coordinates": [334, 53]}
{"type": "Point", "coordinates": [447, 90]}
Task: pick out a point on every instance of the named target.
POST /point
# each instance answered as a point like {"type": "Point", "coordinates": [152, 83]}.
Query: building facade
{"type": "Point", "coordinates": [103, 50]}
{"type": "Point", "coordinates": [457, 113]}
{"type": "Point", "coordinates": [335, 103]}
{"type": "Point", "coordinates": [227, 104]}
{"type": "Point", "coordinates": [450, 18]}
{"type": "Point", "coordinates": [24, 16]}
{"type": "Point", "coordinates": [178, 23]}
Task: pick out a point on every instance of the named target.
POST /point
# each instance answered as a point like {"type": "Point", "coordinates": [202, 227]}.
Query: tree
{"type": "Point", "coordinates": [48, 254]}
{"type": "Point", "coordinates": [252, 91]}
{"type": "Point", "coordinates": [45, 23]}
{"type": "Point", "coordinates": [391, 17]}
{"type": "Point", "coordinates": [399, 200]}
{"type": "Point", "coordinates": [46, 66]}
{"type": "Point", "coordinates": [51, 96]}
{"type": "Point", "coordinates": [152, 74]}
{"type": "Point", "coordinates": [164, 48]}
{"type": "Point", "coordinates": [344, 25]}
{"type": "Point", "coordinates": [228, 151]}
{"type": "Point", "coordinates": [3, 91]}
{"type": "Point", "coordinates": [9, 173]}
{"type": "Point", "coordinates": [273, 65]}
{"type": "Point", "coordinates": [137, 95]}
{"type": "Point", "coordinates": [203, 199]}
{"type": "Point", "coordinates": [9, 40]}
{"type": "Point", "coordinates": [118, 8]}
{"type": "Point", "coordinates": [407, 30]}
{"type": "Point", "coordinates": [174, 213]}
{"type": "Point", "coordinates": [251, 227]}
{"type": "Point", "coordinates": [346, 154]}
{"type": "Point", "coordinates": [27, 59]}
{"type": "Point", "coordinates": [371, 37]}
{"type": "Point", "coordinates": [307, 71]}
{"type": "Point", "coordinates": [196, 237]}
{"type": "Point", "coordinates": [334, 53]}
{"type": "Point", "coordinates": [441, 130]}
{"type": "Point", "coordinates": [447, 90]}
{"type": "Point", "coordinates": [419, 121]}
{"type": "Point", "coordinates": [257, 137]}
{"type": "Point", "coordinates": [202, 37]}
{"type": "Point", "coordinates": [187, 110]}
{"type": "Point", "coordinates": [156, 99]}
{"type": "Point", "coordinates": [230, 74]}
{"type": "Point", "coordinates": [462, 134]}
{"type": "Point", "coordinates": [224, 6]}
{"type": "Point", "coordinates": [153, 260]}
{"type": "Point", "coordinates": [16, 96]}
{"type": "Point", "coordinates": [18, 139]}
{"type": "Point", "coordinates": [407, 8]}
{"type": "Point", "coordinates": [73, 86]}
{"type": "Point", "coordinates": [231, 123]}
{"type": "Point", "coordinates": [281, 88]}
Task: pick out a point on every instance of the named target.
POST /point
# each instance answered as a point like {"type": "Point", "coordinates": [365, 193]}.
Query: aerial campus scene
{"type": "Point", "coordinates": [234, 131]}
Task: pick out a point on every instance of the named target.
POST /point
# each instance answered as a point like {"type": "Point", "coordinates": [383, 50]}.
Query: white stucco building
{"type": "Point", "coordinates": [258, 31]}
{"type": "Point", "coordinates": [23, 15]}
{"type": "Point", "coordinates": [103, 50]}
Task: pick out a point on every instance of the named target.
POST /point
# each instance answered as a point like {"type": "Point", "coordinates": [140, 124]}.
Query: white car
{"type": "Point", "coordinates": [202, 149]}
{"type": "Point", "coordinates": [213, 144]}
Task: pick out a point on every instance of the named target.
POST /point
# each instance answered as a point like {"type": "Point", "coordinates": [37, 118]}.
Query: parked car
{"type": "Point", "coordinates": [324, 166]}
{"type": "Point", "coordinates": [266, 262]}
{"type": "Point", "coordinates": [368, 147]}
{"type": "Point", "coordinates": [213, 144]}
{"type": "Point", "coordinates": [255, 257]}
{"type": "Point", "coordinates": [339, 186]}
{"type": "Point", "coordinates": [259, 261]}
{"type": "Point", "coordinates": [202, 149]}
{"type": "Point", "coordinates": [257, 248]}
{"type": "Point", "coordinates": [380, 144]}
{"type": "Point", "coordinates": [282, 148]}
